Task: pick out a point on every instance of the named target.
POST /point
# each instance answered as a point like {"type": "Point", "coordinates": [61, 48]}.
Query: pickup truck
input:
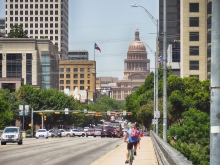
{"type": "Point", "coordinates": [65, 133]}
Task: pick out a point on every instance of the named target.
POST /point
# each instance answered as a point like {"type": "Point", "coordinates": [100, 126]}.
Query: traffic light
{"type": "Point", "coordinates": [40, 113]}
{"type": "Point", "coordinates": [29, 125]}
{"type": "Point", "coordinates": [45, 117]}
{"type": "Point", "coordinates": [98, 114]}
{"type": "Point", "coordinates": [57, 113]}
{"type": "Point", "coordinates": [75, 112]}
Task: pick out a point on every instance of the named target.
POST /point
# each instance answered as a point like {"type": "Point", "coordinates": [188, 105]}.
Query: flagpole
{"type": "Point", "coordinates": [94, 51]}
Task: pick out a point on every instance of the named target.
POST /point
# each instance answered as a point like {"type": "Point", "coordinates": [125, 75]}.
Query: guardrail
{"type": "Point", "coordinates": [167, 155]}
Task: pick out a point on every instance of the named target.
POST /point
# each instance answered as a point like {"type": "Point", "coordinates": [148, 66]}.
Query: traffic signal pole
{"type": "Point", "coordinates": [32, 127]}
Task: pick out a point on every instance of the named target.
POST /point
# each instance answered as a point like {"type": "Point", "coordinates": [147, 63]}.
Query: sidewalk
{"type": "Point", "coordinates": [145, 155]}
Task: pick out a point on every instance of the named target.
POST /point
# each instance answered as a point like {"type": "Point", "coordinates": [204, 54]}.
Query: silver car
{"type": "Point", "coordinates": [11, 135]}
{"type": "Point", "coordinates": [42, 133]}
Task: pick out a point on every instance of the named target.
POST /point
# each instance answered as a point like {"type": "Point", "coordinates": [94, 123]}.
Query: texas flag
{"type": "Point", "coordinates": [97, 47]}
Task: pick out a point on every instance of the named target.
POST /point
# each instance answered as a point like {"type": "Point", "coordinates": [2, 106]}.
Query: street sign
{"type": "Point", "coordinates": [157, 114]}
{"type": "Point", "coordinates": [66, 110]}
{"type": "Point", "coordinates": [85, 111]}
{"type": "Point", "coordinates": [154, 121]}
{"type": "Point", "coordinates": [108, 113]}
{"type": "Point", "coordinates": [23, 109]}
{"type": "Point", "coordinates": [124, 113]}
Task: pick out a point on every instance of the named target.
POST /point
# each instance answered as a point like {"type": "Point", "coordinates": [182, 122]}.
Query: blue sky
{"type": "Point", "coordinates": [111, 24]}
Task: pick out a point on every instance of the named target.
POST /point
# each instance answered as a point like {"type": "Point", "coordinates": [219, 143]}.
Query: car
{"type": "Point", "coordinates": [49, 132]}
{"type": "Point", "coordinates": [97, 132]}
{"type": "Point", "coordinates": [106, 131]}
{"type": "Point", "coordinates": [56, 133]}
{"type": "Point", "coordinates": [65, 133]}
{"type": "Point", "coordinates": [90, 132]}
{"type": "Point", "coordinates": [86, 129]}
{"type": "Point", "coordinates": [12, 134]}
{"type": "Point", "coordinates": [42, 133]}
{"type": "Point", "coordinates": [77, 132]}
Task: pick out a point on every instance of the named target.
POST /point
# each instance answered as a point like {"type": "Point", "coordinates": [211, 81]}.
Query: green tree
{"type": "Point", "coordinates": [17, 32]}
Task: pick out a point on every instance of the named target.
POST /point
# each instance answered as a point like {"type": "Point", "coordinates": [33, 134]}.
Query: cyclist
{"type": "Point", "coordinates": [132, 139]}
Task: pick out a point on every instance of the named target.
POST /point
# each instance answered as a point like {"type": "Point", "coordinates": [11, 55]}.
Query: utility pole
{"type": "Point", "coordinates": [32, 127]}
{"type": "Point", "coordinates": [215, 86]}
{"type": "Point", "coordinates": [164, 71]}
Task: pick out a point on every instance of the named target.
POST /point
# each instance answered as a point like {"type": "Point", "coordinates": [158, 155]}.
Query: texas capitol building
{"type": "Point", "coordinates": [136, 69]}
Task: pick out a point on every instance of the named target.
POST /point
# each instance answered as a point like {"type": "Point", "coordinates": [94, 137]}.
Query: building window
{"type": "Point", "coordinates": [88, 76]}
{"type": "Point", "coordinates": [193, 7]}
{"type": "Point", "coordinates": [68, 87]}
{"type": "Point", "coordinates": [67, 75]}
{"type": "Point", "coordinates": [88, 70]}
{"type": "Point", "coordinates": [194, 76]}
{"type": "Point", "coordinates": [75, 69]}
{"type": "Point", "coordinates": [61, 81]}
{"type": "Point", "coordinates": [194, 50]}
{"type": "Point", "coordinates": [194, 36]}
{"type": "Point", "coordinates": [81, 81]}
{"type": "Point", "coordinates": [67, 69]}
{"type": "Point", "coordinates": [61, 88]}
{"type": "Point", "coordinates": [88, 81]}
{"type": "Point", "coordinates": [75, 75]}
{"type": "Point", "coordinates": [194, 21]}
{"type": "Point", "coordinates": [61, 69]}
{"type": "Point", "coordinates": [61, 75]}
{"type": "Point", "coordinates": [81, 87]}
{"type": "Point", "coordinates": [81, 69]}
{"type": "Point", "coordinates": [193, 65]}
{"type": "Point", "coordinates": [81, 75]}
{"type": "Point", "coordinates": [67, 81]}
{"type": "Point", "coordinates": [75, 82]}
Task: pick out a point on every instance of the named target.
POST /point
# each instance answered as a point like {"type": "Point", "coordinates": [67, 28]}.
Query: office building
{"type": "Point", "coordinates": [78, 55]}
{"type": "Point", "coordinates": [78, 75]}
{"type": "Point", "coordinates": [196, 38]}
{"type": "Point", "coordinates": [173, 22]}
{"type": "Point", "coordinates": [2, 27]}
{"type": "Point", "coordinates": [28, 61]}
{"type": "Point", "coordinates": [41, 19]}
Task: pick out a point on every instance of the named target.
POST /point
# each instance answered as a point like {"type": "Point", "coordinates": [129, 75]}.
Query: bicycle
{"type": "Point", "coordinates": [131, 156]}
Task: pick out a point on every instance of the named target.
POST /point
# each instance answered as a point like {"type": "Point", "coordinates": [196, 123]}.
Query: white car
{"type": "Point", "coordinates": [42, 133]}
{"type": "Point", "coordinates": [86, 129]}
{"type": "Point", "coordinates": [76, 132]}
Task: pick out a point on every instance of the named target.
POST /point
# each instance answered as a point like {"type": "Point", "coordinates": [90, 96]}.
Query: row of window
{"type": "Point", "coordinates": [32, 6]}
{"type": "Point", "coordinates": [32, 0]}
{"type": "Point", "coordinates": [34, 19]}
{"type": "Point", "coordinates": [194, 22]}
{"type": "Point", "coordinates": [43, 32]}
{"type": "Point", "coordinates": [74, 76]}
{"type": "Point", "coordinates": [194, 7]}
{"type": "Point", "coordinates": [36, 25]}
{"type": "Point", "coordinates": [31, 12]}
{"type": "Point", "coordinates": [80, 88]}
{"type": "Point", "coordinates": [74, 69]}
{"type": "Point", "coordinates": [75, 82]}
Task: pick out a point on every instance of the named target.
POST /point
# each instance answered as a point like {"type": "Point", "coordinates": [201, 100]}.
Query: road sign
{"type": "Point", "coordinates": [154, 121]}
{"type": "Point", "coordinates": [66, 110]}
{"type": "Point", "coordinates": [157, 114]}
{"type": "Point", "coordinates": [85, 111]}
{"type": "Point", "coordinates": [23, 109]}
{"type": "Point", "coordinates": [108, 113]}
{"type": "Point", "coordinates": [124, 113]}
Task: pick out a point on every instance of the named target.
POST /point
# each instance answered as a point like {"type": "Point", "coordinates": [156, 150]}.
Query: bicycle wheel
{"type": "Point", "coordinates": [130, 161]}
{"type": "Point", "coordinates": [131, 157]}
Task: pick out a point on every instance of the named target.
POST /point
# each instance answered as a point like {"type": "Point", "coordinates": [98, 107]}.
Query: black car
{"type": "Point", "coordinates": [56, 133]}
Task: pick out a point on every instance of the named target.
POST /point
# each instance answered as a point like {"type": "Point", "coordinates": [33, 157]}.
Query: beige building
{"type": "Point", "coordinates": [137, 68]}
{"type": "Point", "coordinates": [196, 38]}
{"type": "Point", "coordinates": [28, 61]}
{"type": "Point", "coordinates": [78, 74]}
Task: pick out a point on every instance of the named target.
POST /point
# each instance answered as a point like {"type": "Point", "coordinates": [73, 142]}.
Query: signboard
{"type": "Point", "coordinates": [124, 113]}
{"type": "Point", "coordinates": [66, 110]}
{"type": "Point", "coordinates": [157, 114]}
{"type": "Point", "coordinates": [85, 111]}
{"type": "Point", "coordinates": [108, 113]}
{"type": "Point", "coordinates": [154, 121]}
{"type": "Point", "coordinates": [23, 109]}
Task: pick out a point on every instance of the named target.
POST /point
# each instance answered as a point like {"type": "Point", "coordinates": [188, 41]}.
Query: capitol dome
{"type": "Point", "coordinates": [137, 45]}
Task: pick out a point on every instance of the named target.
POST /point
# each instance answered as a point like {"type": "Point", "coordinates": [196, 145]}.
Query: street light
{"type": "Point", "coordinates": [156, 60]}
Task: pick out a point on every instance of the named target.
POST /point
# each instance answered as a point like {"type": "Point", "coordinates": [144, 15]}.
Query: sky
{"type": "Point", "coordinates": [110, 24]}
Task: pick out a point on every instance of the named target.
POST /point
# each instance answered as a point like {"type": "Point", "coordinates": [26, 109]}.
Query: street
{"type": "Point", "coordinates": [57, 151]}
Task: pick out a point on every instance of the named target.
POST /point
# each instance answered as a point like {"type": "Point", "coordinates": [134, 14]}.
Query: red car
{"type": "Point", "coordinates": [90, 132]}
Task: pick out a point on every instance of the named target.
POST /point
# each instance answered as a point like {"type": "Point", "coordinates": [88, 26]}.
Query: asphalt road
{"type": "Point", "coordinates": [57, 151]}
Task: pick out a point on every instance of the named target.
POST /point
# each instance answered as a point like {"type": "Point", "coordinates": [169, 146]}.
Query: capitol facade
{"type": "Point", "coordinates": [136, 69]}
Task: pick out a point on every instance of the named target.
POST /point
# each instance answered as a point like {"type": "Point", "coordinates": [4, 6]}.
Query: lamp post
{"type": "Point", "coordinates": [156, 61]}
{"type": "Point", "coordinates": [87, 97]}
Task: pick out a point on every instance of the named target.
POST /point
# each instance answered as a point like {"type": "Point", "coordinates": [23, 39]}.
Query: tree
{"type": "Point", "coordinates": [17, 32]}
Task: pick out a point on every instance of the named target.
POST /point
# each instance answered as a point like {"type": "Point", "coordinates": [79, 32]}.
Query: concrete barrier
{"type": "Point", "coordinates": [167, 155]}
